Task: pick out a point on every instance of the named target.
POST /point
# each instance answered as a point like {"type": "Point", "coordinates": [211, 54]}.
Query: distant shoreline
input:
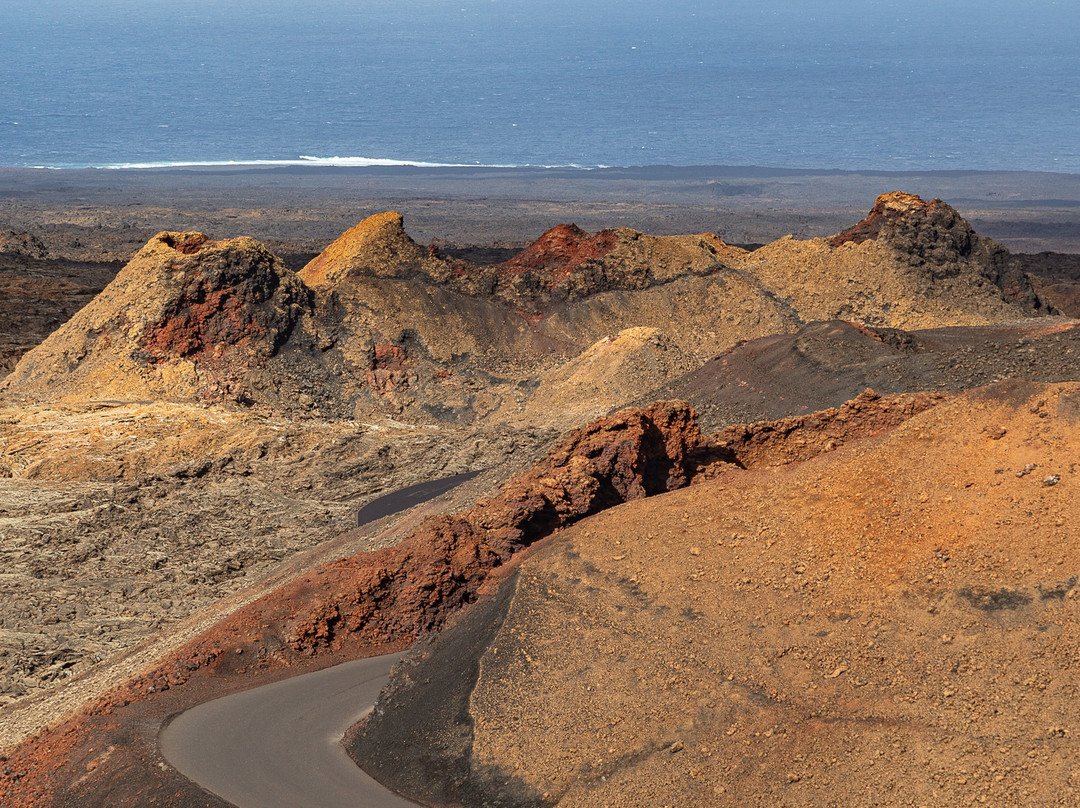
{"type": "Point", "coordinates": [312, 204]}
{"type": "Point", "coordinates": [375, 166]}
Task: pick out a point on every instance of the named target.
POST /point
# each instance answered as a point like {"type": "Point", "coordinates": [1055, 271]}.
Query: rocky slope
{"type": "Point", "coordinates": [891, 622]}
{"type": "Point", "coordinates": [38, 294]}
{"type": "Point", "coordinates": [378, 324]}
{"type": "Point", "coordinates": [367, 600]}
{"type": "Point", "coordinates": [188, 319]}
{"type": "Point", "coordinates": [908, 261]}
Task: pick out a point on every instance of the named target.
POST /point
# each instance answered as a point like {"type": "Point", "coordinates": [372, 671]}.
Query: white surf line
{"type": "Point", "coordinates": [279, 745]}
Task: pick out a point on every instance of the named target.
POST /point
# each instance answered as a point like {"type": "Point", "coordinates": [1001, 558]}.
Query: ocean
{"type": "Point", "coordinates": [905, 86]}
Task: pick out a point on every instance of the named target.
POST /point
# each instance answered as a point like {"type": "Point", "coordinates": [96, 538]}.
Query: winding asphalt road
{"type": "Point", "coordinates": [279, 745]}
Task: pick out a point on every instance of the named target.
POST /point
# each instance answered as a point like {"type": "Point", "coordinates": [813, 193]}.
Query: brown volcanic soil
{"type": "Point", "coordinates": [892, 622]}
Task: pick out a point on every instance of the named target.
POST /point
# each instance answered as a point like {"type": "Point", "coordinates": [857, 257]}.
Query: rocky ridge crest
{"type": "Point", "coordinates": [378, 325]}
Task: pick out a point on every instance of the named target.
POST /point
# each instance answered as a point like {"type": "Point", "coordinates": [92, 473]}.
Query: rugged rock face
{"type": "Point", "coordinates": [235, 296]}
{"type": "Point", "coordinates": [412, 588]}
{"type": "Point", "coordinates": [561, 250]}
{"type": "Point", "coordinates": [187, 318]}
{"type": "Point", "coordinates": [892, 212]}
{"type": "Point", "coordinates": [935, 240]}
{"type": "Point", "coordinates": [568, 263]}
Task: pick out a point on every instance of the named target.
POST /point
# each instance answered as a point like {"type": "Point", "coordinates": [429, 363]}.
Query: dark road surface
{"type": "Point", "coordinates": [403, 498]}
{"type": "Point", "coordinates": [279, 746]}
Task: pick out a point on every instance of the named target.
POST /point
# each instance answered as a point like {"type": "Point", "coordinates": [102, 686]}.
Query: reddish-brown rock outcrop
{"type": "Point", "coordinates": [561, 250]}
{"type": "Point", "coordinates": [187, 319]}
{"type": "Point", "coordinates": [887, 214]}
{"type": "Point", "coordinates": [231, 294]}
{"type": "Point", "coordinates": [410, 589]}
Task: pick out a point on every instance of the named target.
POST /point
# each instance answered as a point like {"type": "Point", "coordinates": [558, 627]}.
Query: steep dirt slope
{"type": "Point", "coordinates": [187, 319]}
{"type": "Point", "coordinates": [39, 294]}
{"type": "Point", "coordinates": [893, 622]}
{"type": "Point", "coordinates": [826, 363]}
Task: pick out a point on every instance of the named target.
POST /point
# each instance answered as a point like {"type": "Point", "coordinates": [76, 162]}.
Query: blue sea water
{"type": "Point", "coordinates": [914, 85]}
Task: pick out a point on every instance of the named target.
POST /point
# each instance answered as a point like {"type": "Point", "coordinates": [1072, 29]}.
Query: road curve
{"type": "Point", "coordinates": [279, 745]}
